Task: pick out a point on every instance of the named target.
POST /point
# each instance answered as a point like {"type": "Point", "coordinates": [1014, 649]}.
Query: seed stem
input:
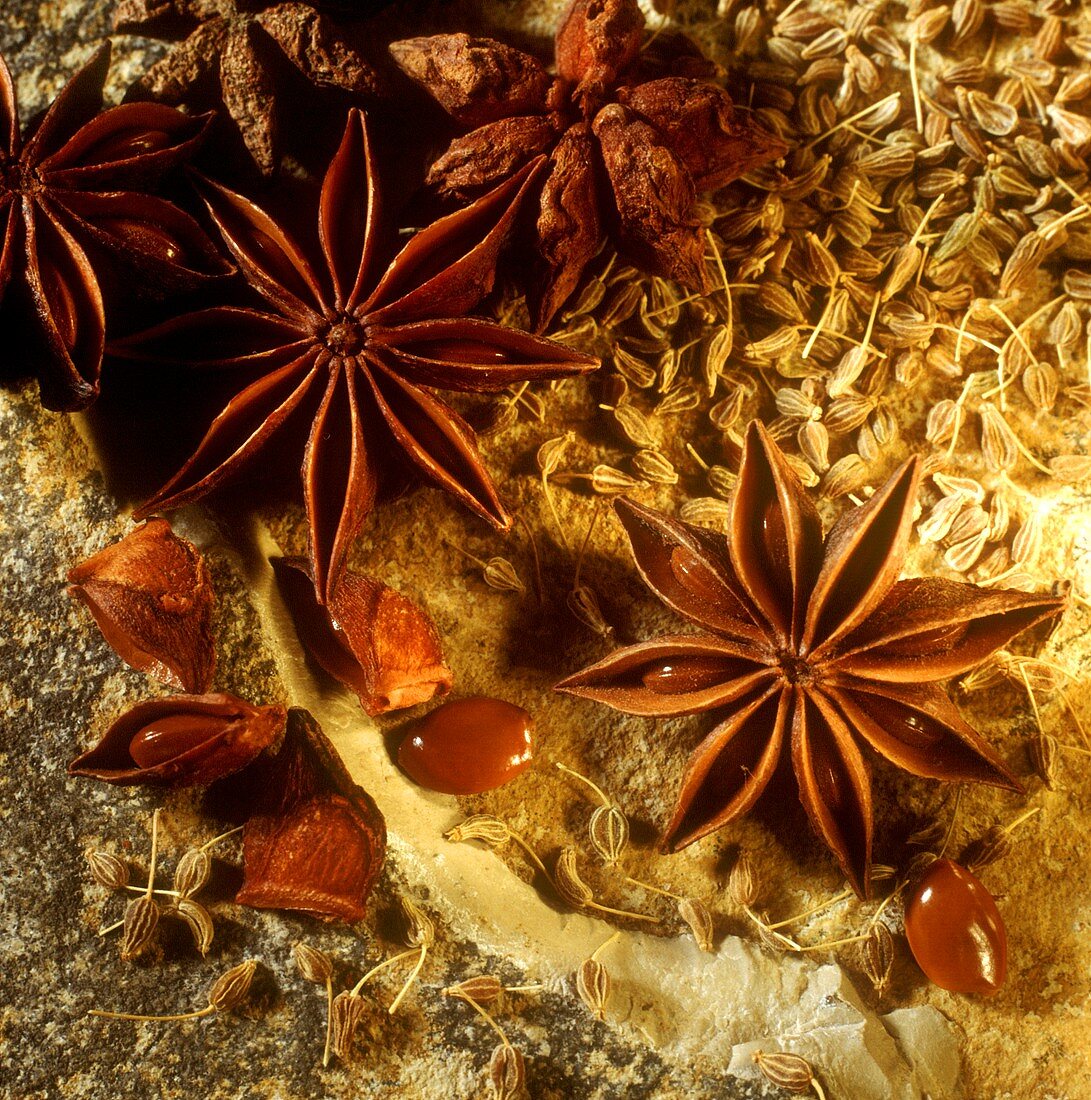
{"type": "Point", "coordinates": [583, 779]}
{"type": "Point", "coordinates": [223, 836]}
{"type": "Point", "coordinates": [206, 1011]}
{"type": "Point", "coordinates": [409, 981]}
{"type": "Point", "coordinates": [382, 966]}
{"type": "Point", "coordinates": [484, 1015]}
{"type": "Point", "coordinates": [329, 1020]}
{"type": "Point", "coordinates": [828, 903]}
{"type": "Point", "coordinates": [653, 889]}
{"type": "Point", "coordinates": [605, 944]}
{"type": "Point", "coordinates": [154, 855]}
{"type": "Point", "coordinates": [914, 81]}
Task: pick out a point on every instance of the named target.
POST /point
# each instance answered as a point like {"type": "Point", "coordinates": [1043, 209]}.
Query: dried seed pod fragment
{"type": "Point", "coordinates": [695, 913]}
{"type": "Point", "coordinates": [507, 1073]}
{"type": "Point", "coordinates": [181, 741]}
{"type": "Point", "coordinates": [151, 596]}
{"type": "Point", "coordinates": [199, 922]}
{"type": "Point", "coordinates": [230, 989]}
{"type": "Point", "coordinates": [107, 870]}
{"type": "Point", "coordinates": [348, 1008]}
{"type": "Point", "coordinates": [593, 987]}
{"type": "Point", "coordinates": [315, 966]}
{"type": "Point", "coordinates": [369, 637]}
{"type": "Point", "coordinates": [879, 957]}
{"type": "Point", "coordinates": [788, 1071]}
{"type": "Point", "coordinates": [315, 841]}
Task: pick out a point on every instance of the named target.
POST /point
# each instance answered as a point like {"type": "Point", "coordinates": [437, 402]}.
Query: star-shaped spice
{"type": "Point", "coordinates": [355, 349]}
{"type": "Point", "coordinates": [809, 648]}
{"type": "Point", "coordinates": [72, 203]}
{"type": "Point", "coordinates": [626, 158]}
{"type": "Point", "coordinates": [228, 54]}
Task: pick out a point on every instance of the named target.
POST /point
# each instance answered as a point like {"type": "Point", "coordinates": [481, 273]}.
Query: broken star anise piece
{"type": "Point", "coordinates": [627, 155]}
{"type": "Point", "coordinates": [371, 638]}
{"type": "Point", "coordinates": [181, 741]}
{"type": "Point", "coordinates": [72, 197]}
{"type": "Point", "coordinates": [355, 349]}
{"type": "Point", "coordinates": [151, 596]}
{"type": "Point", "coordinates": [808, 649]}
{"type": "Point", "coordinates": [228, 55]}
{"type": "Point", "coordinates": [315, 841]}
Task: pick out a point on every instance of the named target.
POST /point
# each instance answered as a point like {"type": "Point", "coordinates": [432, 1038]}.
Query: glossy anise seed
{"type": "Point", "coordinates": [107, 870]}
{"type": "Point", "coordinates": [483, 989]}
{"type": "Point", "coordinates": [787, 1071]}
{"type": "Point", "coordinates": [138, 930]}
{"type": "Point", "coordinates": [315, 966]}
{"type": "Point", "coordinates": [151, 596]}
{"type": "Point", "coordinates": [695, 913]}
{"type": "Point", "coordinates": [809, 645]}
{"type": "Point", "coordinates": [193, 872]}
{"type": "Point", "coordinates": [348, 1009]}
{"type": "Point", "coordinates": [468, 746]}
{"type": "Point", "coordinates": [507, 1073]}
{"type": "Point", "coordinates": [199, 922]}
{"type": "Point", "coordinates": [955, 930]}
{"type": "Point", "coordinates": [181, 740]}
{"type": "Point", "coordinates": [593, 986]}
{"type": "Point", "coordinates": [231, 988]}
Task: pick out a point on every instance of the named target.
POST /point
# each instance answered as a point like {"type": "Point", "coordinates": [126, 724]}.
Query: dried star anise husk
{"type": "Point", "coordinates": [151, 596]}
{"type": "Point", "coordinates": [627, 155]}
{"type": "Point", "coordinates": [73, 203]}
{"type": "Point", "coordinates": [181, 741]}
{"type": "Point", "coordinates": [371, 638]}
{"type": "Point", "coordinates": [315, 841]}
{"type": "Point", "coordinates": [228, 57]}
{"type": "Point", "coordinates": [355, 349]}
{"type": "Point", "coordinates": [810, 646]}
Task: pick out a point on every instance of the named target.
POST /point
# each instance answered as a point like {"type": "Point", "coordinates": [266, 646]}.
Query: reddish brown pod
{"type": "Point", "coordinates": [468, 746]}
{"type": "Point", "coordinates": [151, 596]}
{"type": "Point", "coordinates": [181, 741]}
{"type": "Point", "coordinates": [955, 930]}
{"type": "Point", "coordinates": [371, 638]}
{"type": "Point", "coordinates": [315, 841]}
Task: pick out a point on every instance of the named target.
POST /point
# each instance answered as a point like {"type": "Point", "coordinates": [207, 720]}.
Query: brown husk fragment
{"type": "Point", "coordinates": [151, 596]}
{"type": "Point", "coordinates": [315, 841]}
{"type": "Point", "coordinates": [369, 637]}
{"type": "Point", "coordinates": [626, 154]}
{"type": "Point", "coordinates": [227, 735]}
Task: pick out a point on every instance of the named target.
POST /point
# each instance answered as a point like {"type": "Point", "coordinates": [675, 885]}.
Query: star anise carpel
{"type": "Point", "coordinates": [74, 203]}
{"type": "Point", "coordinates": [228, 54]}
{"type": "Point", "coordinates": [810, 647]}
{"type": "Point", "coordinates": [627, 155]}
{"type": "Point", "coordinates": [356, 348]}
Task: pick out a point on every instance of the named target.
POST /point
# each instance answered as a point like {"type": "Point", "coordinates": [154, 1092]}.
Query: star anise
{"type": "Point", "coordinates": [72, 196]}
{"type": "Point", "coordinates": [228, 54]}
{"type": "Point", "coordinates": [626, 158]}
{"type": "Point", "coordinates": [808, 649]}
{"type": "Point", "coordinates": [355, 348]}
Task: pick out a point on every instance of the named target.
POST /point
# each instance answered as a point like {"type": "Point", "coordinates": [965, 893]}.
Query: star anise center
{"type": "Point", "coordinates": [796, 669]}
{"type": "Point", "coordinates": [344, 336]}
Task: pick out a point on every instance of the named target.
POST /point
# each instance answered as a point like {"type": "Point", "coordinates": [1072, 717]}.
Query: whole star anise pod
{"type": "Point", "coordinates": [808, 649]}
{"type": "Point", "coordinates": [355, 349]}
{"type": "Point", "coordinates": [228, 54]}
{"type": "Point", "coordinates": [72, 198]}
{"type": "Point", "coordinates": [626, 158]}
